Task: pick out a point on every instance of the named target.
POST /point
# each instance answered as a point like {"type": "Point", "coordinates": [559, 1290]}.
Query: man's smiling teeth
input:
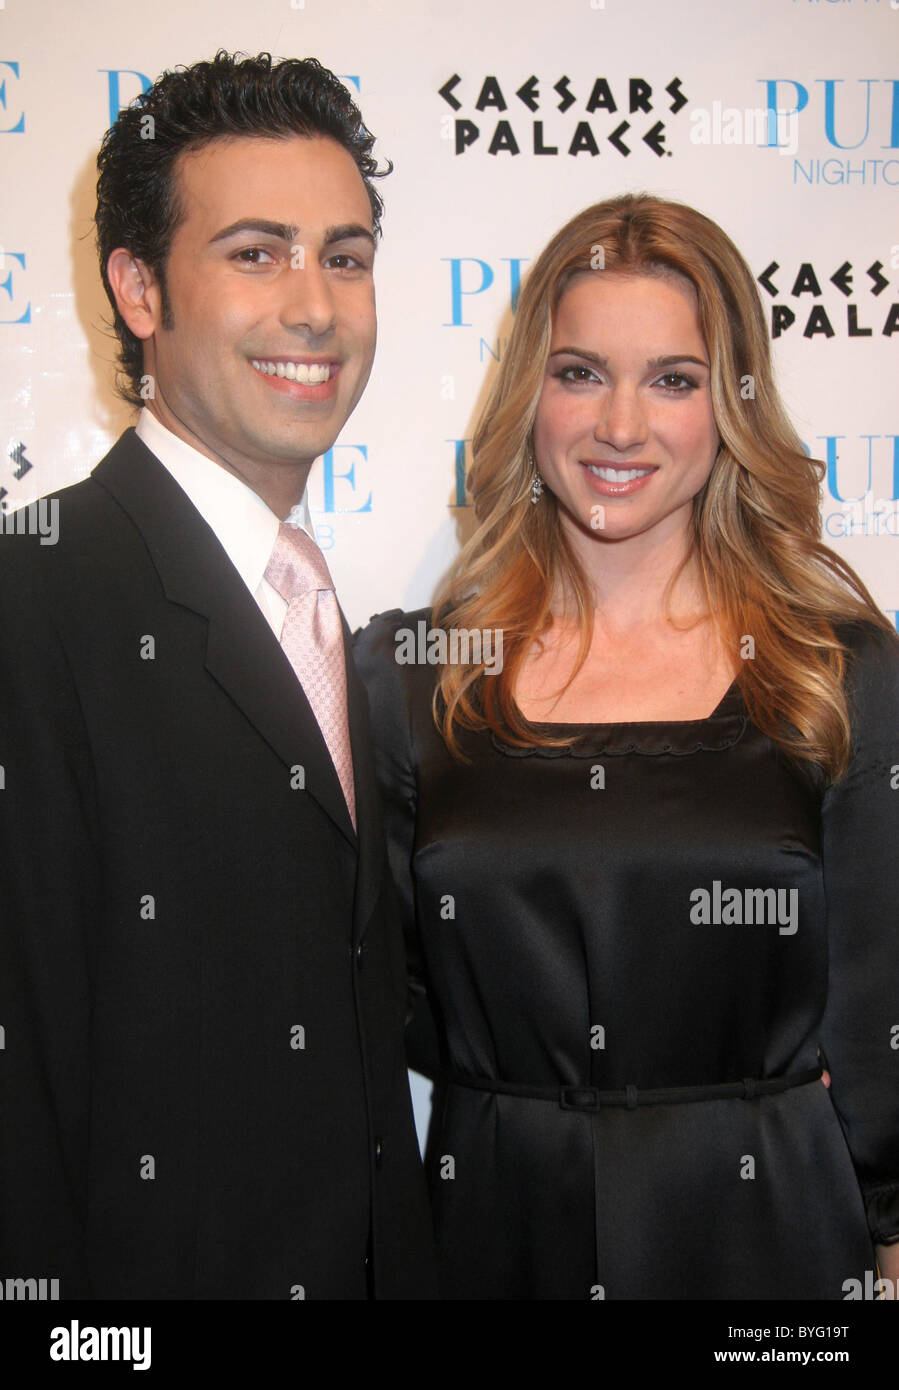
{"type": "Point", "coordinates": [617, 475]}
{"type": "Point", "coordinates": [306, 373]}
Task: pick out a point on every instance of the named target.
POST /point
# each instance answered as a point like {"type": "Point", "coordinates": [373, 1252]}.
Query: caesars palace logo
{"type": "Point", "coordinates": [850, 120]}
{"type": "Point", "coordinates": [618, 116]}
{"type": "Point", "coordinates": [852, 299]}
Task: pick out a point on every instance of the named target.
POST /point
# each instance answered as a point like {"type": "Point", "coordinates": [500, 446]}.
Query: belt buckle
{"type": "Point", "coordinates": [578, 1098]}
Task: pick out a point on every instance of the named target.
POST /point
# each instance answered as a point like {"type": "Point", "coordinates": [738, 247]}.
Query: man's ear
{"type": "Point", "coordinates": [137, 292]}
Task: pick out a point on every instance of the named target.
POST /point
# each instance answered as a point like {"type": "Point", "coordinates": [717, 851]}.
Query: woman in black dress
{"type": "Point", "coordinates": [642, 826]}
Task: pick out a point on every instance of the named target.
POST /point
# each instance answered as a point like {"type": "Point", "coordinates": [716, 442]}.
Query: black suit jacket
{"type": "Point", "coordinates": [202, 989]}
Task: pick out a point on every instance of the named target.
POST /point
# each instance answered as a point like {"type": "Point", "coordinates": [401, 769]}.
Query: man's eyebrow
{"type": "Point", "coordinates": [652, 362]}
{"type": "Point", "coordinates": [282, 231]}
{"type": "Point", "coordinates": [348, 231]}
{"type": "Point", "coordinates": [286, 231]}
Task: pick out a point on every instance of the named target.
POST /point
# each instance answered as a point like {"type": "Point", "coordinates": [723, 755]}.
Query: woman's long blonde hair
{"type": "Point", "coordinates": [756, 522]}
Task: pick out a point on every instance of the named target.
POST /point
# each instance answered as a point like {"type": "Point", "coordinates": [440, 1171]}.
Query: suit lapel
{"type": "Point", "coordinates": [242, 653]}
{"type": "Point", "coordinates": [368, 813]}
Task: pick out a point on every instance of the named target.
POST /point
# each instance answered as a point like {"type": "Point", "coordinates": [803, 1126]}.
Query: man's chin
{"type": "Point", "coordinates": [289, 450]}
{"type": "Point", "coordinates": [297, 438]}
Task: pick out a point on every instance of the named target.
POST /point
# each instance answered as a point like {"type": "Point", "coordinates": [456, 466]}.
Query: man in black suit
{"type": "Point", "coordinates": [203, 1091]}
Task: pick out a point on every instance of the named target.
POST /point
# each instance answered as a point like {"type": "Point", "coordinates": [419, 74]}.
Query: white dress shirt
{"type": "Point", "coordinates": [246, 528]}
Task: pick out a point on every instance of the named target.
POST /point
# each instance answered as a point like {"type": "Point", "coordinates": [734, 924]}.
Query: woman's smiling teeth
{"type": "Point", "coordinates": [617, 475]}
{"type": "Point", "coordinates": [307, 373]}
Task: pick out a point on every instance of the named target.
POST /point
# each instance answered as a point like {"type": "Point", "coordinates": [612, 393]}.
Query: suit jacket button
{"type": "Point", "coordinates": [379, 1152]}
{"type": "Point", "coordinates": [359, 954]}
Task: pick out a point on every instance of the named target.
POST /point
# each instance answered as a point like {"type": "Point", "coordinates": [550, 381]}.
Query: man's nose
{"type": "Point", "coordinates": [308, 303]}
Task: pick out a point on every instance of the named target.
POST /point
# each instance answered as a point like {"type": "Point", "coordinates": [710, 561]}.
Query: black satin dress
{"type": "Point", "coordinates": [628, 1105]}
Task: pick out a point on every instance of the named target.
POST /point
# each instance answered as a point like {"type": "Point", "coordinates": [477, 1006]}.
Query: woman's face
{"type": "Point", "coordinates": [625, 435]}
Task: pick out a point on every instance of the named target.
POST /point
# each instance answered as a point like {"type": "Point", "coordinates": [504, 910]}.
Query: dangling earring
{"type": "Point", "coordinates": [537, 483]}
{"type": "Point", "coordinates": [537, 486]}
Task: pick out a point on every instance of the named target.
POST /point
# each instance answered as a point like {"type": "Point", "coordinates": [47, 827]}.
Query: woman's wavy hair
{"type": "Point", "coordinates": [232, 95]}
{"type": "Point", "coordinates": [755, 524]}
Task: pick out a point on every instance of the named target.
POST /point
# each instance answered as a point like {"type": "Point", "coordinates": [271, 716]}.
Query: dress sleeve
{"type": "Point", "coordinates": [860, 852]}
{"type": "Point", "coordinates": [389, 699]}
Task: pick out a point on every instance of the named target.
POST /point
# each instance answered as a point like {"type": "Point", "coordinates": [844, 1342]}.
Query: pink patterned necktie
{"type": "Point", "coordinates": [312, 638]}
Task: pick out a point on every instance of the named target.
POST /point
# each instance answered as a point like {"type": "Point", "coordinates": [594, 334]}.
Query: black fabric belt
{"type": "Point", "coordinates": [590, 1099]}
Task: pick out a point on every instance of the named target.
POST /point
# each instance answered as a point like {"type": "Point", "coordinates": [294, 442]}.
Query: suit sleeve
{"type": "Point", "coordinates": [388, 696]}
{"type": "Point", "coordinates": [49, 905]}
{"type": "Point", "coordinates": [860, 848]}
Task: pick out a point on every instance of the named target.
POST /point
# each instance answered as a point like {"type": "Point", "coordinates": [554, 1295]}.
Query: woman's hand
{"type": "Point", "coordinates": [825, 1075]}
{"type": "Point", "coordinates": [888, 1263]}
{"type": "Point", "coordinates": [887, 1255]}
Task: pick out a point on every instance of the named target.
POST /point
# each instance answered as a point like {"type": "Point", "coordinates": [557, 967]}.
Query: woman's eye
{"type": "Point", "coordinates": [687, 383]}
{"type": "Point", "coordinates": [576, 372]}
{"type": "Point", "coordinates": [675, 383]}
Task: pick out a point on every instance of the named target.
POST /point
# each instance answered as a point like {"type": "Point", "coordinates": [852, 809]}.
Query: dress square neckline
{"type": "Point", "coordinates": [731, 698]}
{"type": "Point", "coordinates": [716, 732]}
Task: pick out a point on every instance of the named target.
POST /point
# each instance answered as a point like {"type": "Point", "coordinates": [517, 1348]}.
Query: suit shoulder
{"type": "Point", "coordinates": [65, 552]}
{"type": "Point", "coordinates": [62, 523]}
{"type": "Point", "coordinates": [45, 549]}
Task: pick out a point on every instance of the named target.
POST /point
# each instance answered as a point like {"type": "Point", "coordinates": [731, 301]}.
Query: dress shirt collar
{"type": "Point", "coordinates": [245, 526]}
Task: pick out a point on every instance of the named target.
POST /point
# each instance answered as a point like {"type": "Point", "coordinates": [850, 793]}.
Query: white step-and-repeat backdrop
{"type": "Point", "coordinates": [779, 119]}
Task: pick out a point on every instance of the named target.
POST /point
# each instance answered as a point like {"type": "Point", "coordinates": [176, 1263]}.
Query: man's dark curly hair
{"type": "Point", "coordinates": [137, 200]}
